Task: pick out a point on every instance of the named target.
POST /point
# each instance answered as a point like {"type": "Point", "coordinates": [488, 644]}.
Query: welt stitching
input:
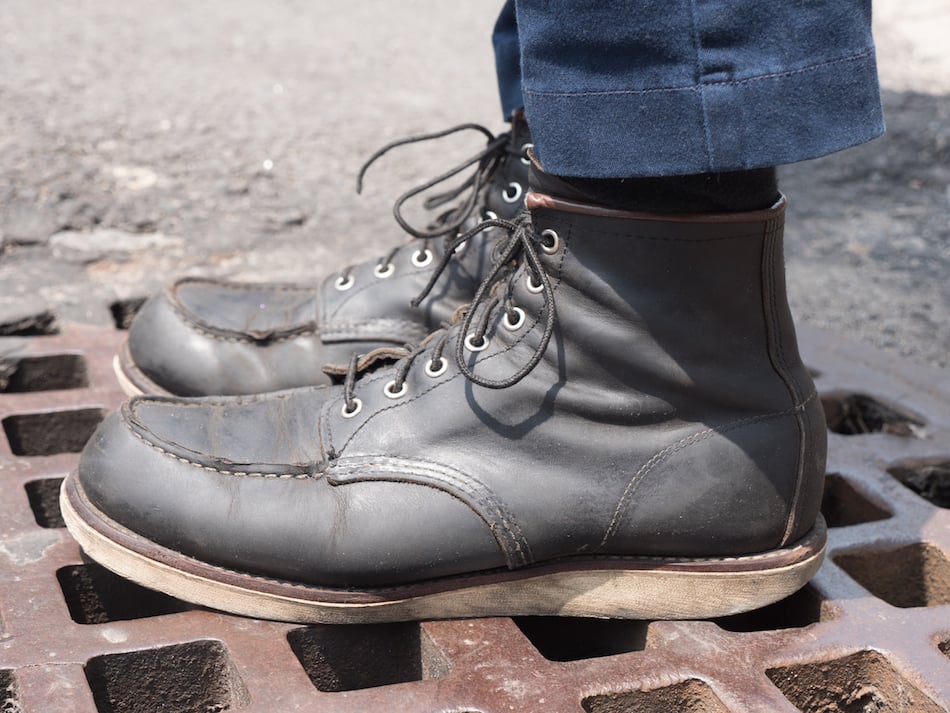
{"type": "Point", "coordinates": [473, 575]}
{"type": "Point", "coordinates": [683, 443]}
{"type": "Point", "coordinates": [696, 87]}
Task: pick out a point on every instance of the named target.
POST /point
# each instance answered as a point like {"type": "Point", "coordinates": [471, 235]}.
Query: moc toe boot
{"type": "Point", "coordinates": [619, 426]}
{"type": "Point", "coordinates": [204, 337]}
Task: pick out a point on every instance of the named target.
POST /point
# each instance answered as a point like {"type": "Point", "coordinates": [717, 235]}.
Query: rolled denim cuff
{"type": "Point", "coordinates": [754, 122]}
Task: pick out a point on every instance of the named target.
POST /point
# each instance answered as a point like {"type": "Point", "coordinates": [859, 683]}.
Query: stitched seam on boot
{"type": "Point", "coordinates": [329, 425]}
{"type": "Point", "coordinates": [680, 445]}
{"type": "Point", "coordinates": [211, 469]}
{"type": "Point", "coordinates": [489, 508]}
{"type": "Point", "coordinates": [230, 336]}
{"type": "Point", "coordinates": [776, 351]}
{"type": "Point", "coordinates": [206, 329]}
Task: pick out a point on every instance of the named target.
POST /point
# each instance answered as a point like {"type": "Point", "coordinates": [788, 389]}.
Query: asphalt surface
{"type": "Point", "coordinates": [143, 141]}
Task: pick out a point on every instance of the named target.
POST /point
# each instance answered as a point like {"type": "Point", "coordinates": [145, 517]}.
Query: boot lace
{"type": "Point", "coordinates": [495, 292]}
{"type": "Point", "coordinates": [486, 162]}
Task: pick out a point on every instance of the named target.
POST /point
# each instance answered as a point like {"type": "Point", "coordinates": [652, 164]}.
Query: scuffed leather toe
{"type": "Point", "coordinates": [239, 483]}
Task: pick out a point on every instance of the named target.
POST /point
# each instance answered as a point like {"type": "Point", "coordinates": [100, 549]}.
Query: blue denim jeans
{"type": "Point", "coordinates": [618, 88]}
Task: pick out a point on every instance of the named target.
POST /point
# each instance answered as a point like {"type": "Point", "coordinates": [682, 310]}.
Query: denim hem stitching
{"type": "Point", "coordinates": [698, 87]}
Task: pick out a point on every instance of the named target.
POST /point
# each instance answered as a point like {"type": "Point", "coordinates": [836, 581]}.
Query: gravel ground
{"type": "Point", "coordinates": [141, 141]}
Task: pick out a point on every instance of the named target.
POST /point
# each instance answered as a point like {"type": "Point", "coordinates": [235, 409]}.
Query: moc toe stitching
{"type": "Point", "coordinates": [200, 325]}
{"type": "Point", "coordinates": [211, 463]}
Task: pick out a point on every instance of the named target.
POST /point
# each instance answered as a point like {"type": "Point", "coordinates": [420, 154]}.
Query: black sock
{"type": "Point", "coordinates": [755, 189]}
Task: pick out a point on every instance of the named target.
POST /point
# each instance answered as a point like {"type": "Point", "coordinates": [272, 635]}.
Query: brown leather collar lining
{"type": "Point", "coordinates": [539, 200]}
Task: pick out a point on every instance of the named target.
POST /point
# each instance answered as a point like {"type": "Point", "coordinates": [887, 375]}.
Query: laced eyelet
{"type": "Point", "coordinates": [516, 325]}
{"type": "Point", "coordinates": [472, 347]}
{"type": "Point", "coordinates": [421, 258]}
{"type": "Point", "coordinates": [524, 151]}
{"type": "Point", "coordinates": [388, 390]}
{"type": "Point", "coordinates": [513, 196]}
{"type": "Point", "coordinates": [343, 284]}
{"type": "Point", "coordinates": [460, 248]}
{"type": "Point", "coordinates": [491, 215]}
{"type": "Point", "coordinates": [357, 407]}
{"type": "Point", "coordinates": [383, 272]}
{"type": "Point", "coordinates": [437, 372]}
{"type": "Point", "coordinates": [555, 242]}
{"type": "Point", "coordinates": [532, 287]}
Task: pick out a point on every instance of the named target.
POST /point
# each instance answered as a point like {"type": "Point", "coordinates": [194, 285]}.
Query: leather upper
{"type": "Point", "coordinates": [669, 415]}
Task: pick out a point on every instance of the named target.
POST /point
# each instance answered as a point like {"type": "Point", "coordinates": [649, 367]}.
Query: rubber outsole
{"type": "Point", "coordinates": [608, 587]}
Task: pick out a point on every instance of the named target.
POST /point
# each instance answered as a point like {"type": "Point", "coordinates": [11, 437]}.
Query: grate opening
{"type": "Point", "coordinates": [572, 639]}
{"type": "Point", "coordinates": [124, 310]}
{"type": "Point", "coordinates": [864, 682]}
{"type": "Point", "coordinates": [9, 693]}
{"type": "Point", "coordinates": [44, 434]}
{"type": "Point", "coordinates": [855, 414]}
{"type": "Point", "coordinates": [801, 609]}
{"type": "Point", "coordinates": [44, 373]}
{"type": "Point", "coordinates": [44, 501]}
{"type": "Point", "coordinates": [96, 596]}
{"type": "Point", "coordinates": [197, 677]}
{"type": "Point", "coordinates": [41, 324]}
{"type": "Point", "coordinates": [335, 657]}
{"type": "Point", "coordinates": [692, 696]}
{"type": "Point", "coordinates": [916, 575]}
{"type": "Point", "coordinates": [928, 477]}
{"type": "Point", "coordinates": [843, 505]}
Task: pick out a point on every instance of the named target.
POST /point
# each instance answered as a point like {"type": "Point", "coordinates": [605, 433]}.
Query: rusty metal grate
{"type": "Point", "coordinates": [871, 633]}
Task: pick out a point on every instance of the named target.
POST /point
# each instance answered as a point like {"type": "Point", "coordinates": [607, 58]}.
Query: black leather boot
{"type": "Point", "coordinates": [620, 426]}
{"type": "Point", "coordinates": [205, 337]}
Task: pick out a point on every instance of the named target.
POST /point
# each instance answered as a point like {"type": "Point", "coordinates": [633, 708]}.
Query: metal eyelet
{"type": "Point", "coordinates": [555, 242]}
{"type": "Point", "coordinates": [344, 284]}
{"type": "Point", "coordinates": [514, 326]}
{"type": "Point", "coordinates": [512, 197]}
{"type": "Point", "coordinates": [472, 347]}
{"type": "Point", "coordinates": [357, 407]}
{"type": "Point", "coordinates": [383, 272]}
{"type": "Point", "coordinates": [524, 150]}
{"type": "Point", "coordinates": [388, 390]}
{"type": "Point", "coordinates": [491, 215]}
{"type": "Point", "coordinates": [435, 373]}
{"type": "Point", "coordinates": [421, 258]}
{"type": "Point", "coordinates": [533, 288]}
